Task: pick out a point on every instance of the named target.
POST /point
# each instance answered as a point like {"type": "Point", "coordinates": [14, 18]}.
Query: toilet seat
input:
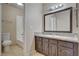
{"type": "Point", "coordinates": [7, 42]}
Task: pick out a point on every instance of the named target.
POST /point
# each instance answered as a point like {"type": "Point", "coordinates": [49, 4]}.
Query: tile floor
{"type": "Point", "coordinates": [37, 54]}
{"type": "Point", "coordinates": [15, 50]}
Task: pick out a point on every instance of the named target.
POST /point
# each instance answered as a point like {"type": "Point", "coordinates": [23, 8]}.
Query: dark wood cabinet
{"type": "Point", "coordinates": [64, 51]}
{"type": "Point", "coordinates": [67, 48]}
{"type": "Point", "coordinates": [54, 47]}
{"type": "Point", "coordinates": [52, 50]}
{"type": "Point", "coordinates": [45, 46]}
{"type": "Point", "coordinates": [38, 44]}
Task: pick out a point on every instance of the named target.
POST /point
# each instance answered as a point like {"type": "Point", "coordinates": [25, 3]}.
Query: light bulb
{"type": "Point", "coordinates": [56, 6]}
{"type": "Point", "coordinates": [20, 4]}
{"type": "Point", "coordinates": [60, 5]}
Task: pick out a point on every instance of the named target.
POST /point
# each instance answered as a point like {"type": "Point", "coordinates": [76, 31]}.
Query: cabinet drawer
{"type": "Point", "coordinates": [66, 44]}
{"type": "Point", "coordinates": [51, 41]}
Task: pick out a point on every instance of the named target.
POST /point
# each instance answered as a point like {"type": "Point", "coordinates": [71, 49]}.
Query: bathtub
{"type": "Point", "coordinates": [20, 43]}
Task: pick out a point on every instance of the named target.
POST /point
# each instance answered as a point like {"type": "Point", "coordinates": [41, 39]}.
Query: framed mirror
{"type": "Point", "coordinates": [59, 21]}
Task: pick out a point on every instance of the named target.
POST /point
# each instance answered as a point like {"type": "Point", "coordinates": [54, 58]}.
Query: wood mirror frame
{"type": "Point", "coordinates": [70, 8]}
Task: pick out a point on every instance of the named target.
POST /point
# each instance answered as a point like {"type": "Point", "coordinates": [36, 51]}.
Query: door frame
{"type": "Point", "coordinates": [23, 30]}
{"type": "Point", "coordinates": [0, 29]}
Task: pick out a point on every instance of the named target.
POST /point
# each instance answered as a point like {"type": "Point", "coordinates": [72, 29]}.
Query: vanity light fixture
{"type": "Point", "coordinates": [56, 7]}
{"type": "Point", "coordinates": [52, 8]}
{"type": "Point", "coordinates": [21, 4]}
{"type": "Point", "coordinates": [60, 5]}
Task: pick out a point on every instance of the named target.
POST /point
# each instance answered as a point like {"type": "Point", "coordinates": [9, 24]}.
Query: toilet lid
{"type": "Point", "coordinates": [7, 42]}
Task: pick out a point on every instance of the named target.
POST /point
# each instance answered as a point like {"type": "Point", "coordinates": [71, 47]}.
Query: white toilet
{"type": "Point", "coordinates": [6, 42]}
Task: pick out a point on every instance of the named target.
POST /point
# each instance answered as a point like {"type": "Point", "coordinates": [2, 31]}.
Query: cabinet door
{"type": "Point", "coordinates": [38, 44]}
{"type": "Point", "coordinates": [52, 50]}
{"type": "Point", "coordinates": [45, 46]}
{"type": "Point", "coordinates": [64, 51]}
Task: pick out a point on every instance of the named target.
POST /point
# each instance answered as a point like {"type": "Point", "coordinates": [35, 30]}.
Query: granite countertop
{"type": "Point", "coordinates": [59, 37]}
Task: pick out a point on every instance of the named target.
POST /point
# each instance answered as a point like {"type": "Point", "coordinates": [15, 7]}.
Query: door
{"type": "Point", "coordinates": [38, 44]}
{"type": "Point", "coordinates": [19, 28]}
{"type": "Point", "coordinates": [45, 46]}
{"type": "Point", "coordinates": [52, 49]}
{"type": "Point", "coordinates": [64, 51]}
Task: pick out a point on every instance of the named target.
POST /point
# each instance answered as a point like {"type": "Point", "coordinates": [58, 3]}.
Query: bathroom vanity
{"type": "Point", "coordinates": [56, 45]}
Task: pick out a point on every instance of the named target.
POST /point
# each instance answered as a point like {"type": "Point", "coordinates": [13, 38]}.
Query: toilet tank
{"type": "Point", "coordinates": [5, 36]}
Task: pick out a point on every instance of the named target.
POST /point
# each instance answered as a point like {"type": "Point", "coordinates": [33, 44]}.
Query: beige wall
{"type": "Point", "coordinates": [33, 23]}
{"type": "Point", "coordinates": [9, 14]}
